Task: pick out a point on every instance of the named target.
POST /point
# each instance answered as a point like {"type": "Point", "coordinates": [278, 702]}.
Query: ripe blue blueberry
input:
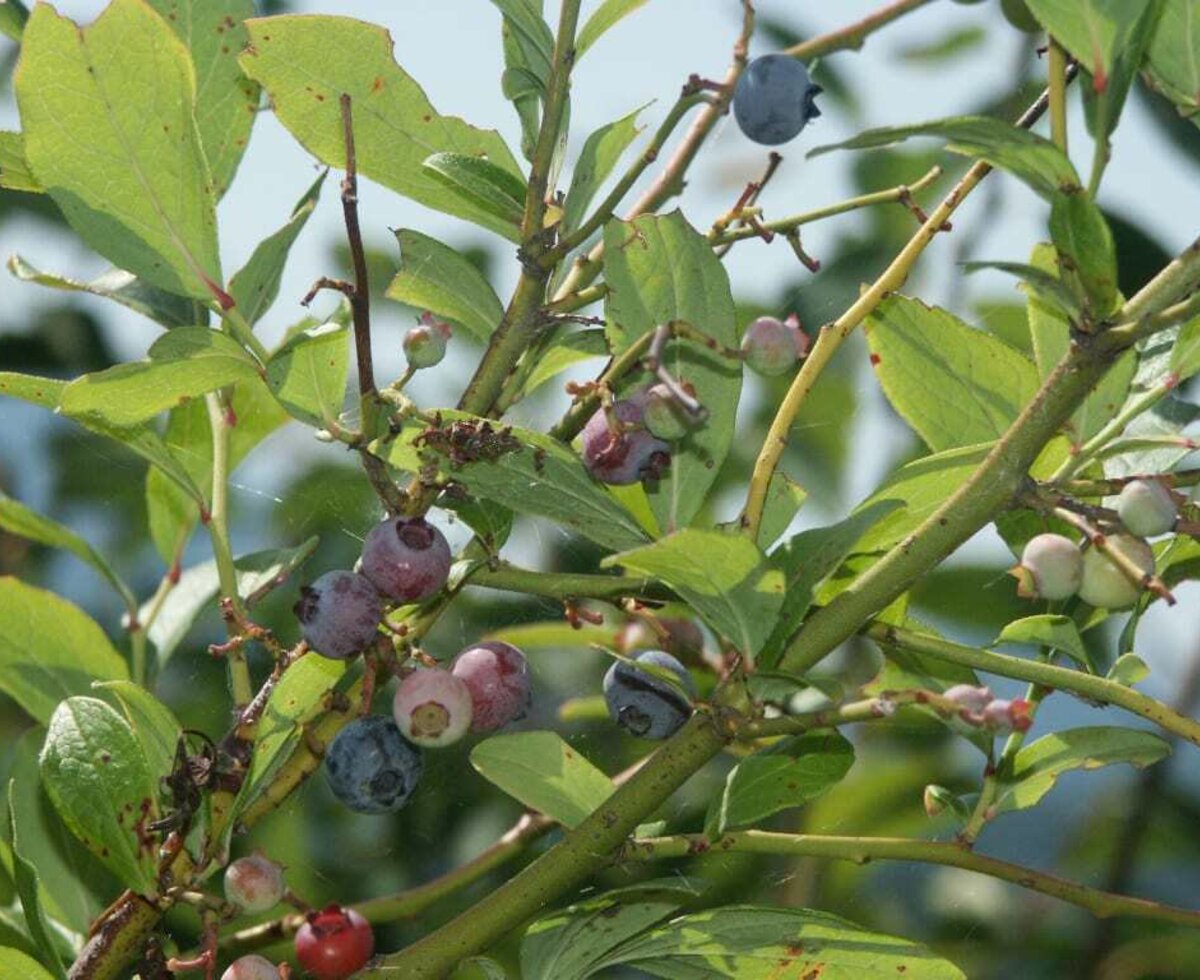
{"type": "Point", "coordinates": [627, 456]}
{"type": "Point", "coordinates": [773, 99]}
{"type": "Point", "coordinates": [371, 767]}
{"type": "Point", "coordinates": [339, 614]}
{"type": "Point", "coordinates": [406, 559]}
{"type": "Point", "coordinates": [645, 704]}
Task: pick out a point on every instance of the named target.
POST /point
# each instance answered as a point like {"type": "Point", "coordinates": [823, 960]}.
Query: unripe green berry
{"type": "Point", "coordinates": [664, 416]}
{"type": "Point", "coordinates": [773, 347]}
{"type": "Point", "coordinates": [1051, 568]}
{"type": "Point", "coordinates": [1104, 584]}
{"type": "Point", "coordinates": [1146, 508]}
{"type": "Point", "coordinates": [425, 344]}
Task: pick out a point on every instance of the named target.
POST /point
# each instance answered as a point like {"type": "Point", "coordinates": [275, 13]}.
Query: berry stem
{"type": "Point", "coordinates": [360, 297]}
{"type": "Point", "coordinates": [240, 685]}
{"type": "Point", "coordinates": [727, 236]}
{"type": "Point", "coordinates": [1088, 686]}
{"type": "Point", "coordinates": [853, 36]}
{"type": "Point", "coordinates": [1056, 72]}
{"type": "Point", "coordinates": [864, 849]}
{"type": "Point", "coordinates": [560, 585]}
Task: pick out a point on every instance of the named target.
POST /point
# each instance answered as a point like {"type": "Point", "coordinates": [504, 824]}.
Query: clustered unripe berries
{"type": "Point", "coordinates": [334, 943]}
{"type": "Point", "coordinates": [252, 967]}
{"type": "Point", "coordinates": [979, 707]}
{"type": "Point", "coordinates": [771, 347]}
{"type": "Point", "coordinates": [620, 450]}
{"type": "Point", "coordinates": [1146, 508]}
{"type": "Point", "coordinates": [254, 884]}
{"type": "Point", "coordinates": [1051, 568]}
{"type": "Point", "coordinates": [1104, 584]}
{"type": "Point", "coordinates": [425, 344]}
{"type": "Point", "coordinates": [774, 99]}
{"type": "Point", "coordinates": [644, 703]}
{"type": "Point", "coordinates": [497, 677]}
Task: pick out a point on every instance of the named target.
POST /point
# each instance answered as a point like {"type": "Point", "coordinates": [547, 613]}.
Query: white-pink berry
{"type": "Point", "coordinates": [432, 707]}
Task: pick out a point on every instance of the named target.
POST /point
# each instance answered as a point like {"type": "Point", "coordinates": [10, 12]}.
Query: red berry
{"type": "Point", "coordinates": [497, 676]}
{"type": "Point", "coordinates": [253, 883]}
{"type": "Point", "coordinates": [334, 943]}
{"type": "Point", "coordinates": [625, 456]}
{"type": "Point", "coordinates": [408, 560]}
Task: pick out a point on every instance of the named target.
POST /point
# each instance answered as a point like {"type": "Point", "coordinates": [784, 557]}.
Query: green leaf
{"type": "Point", "coordinates": [571, 349]}
{"type": "Point", "coordinates": [599, 155]}
{"type": "Point", "coordinates": [255, 286]}
{"type": "Point", "coordinates": [1040, 283]}
{"type": "Point", "coordinates": [295, 701]}
{"type": "Point", "coordinates": [1185, 354]}
{"type": "Point", "coordinates": [18, 519]}
{"type": "Point", "coordinates": [306, 62]}
{"type": "Point", "coordinates": [544, 773]}
{"type": "Point", "coordinates": [780, 777]}
{"type": "Point", "coordinates": [142, 440]}
{"type": "Point", "coordinates": [605, 17]}
{"type": "Point", "coordinates": [197, 589]}
{"type": "Point", "coordinates": [183, 363]}
{"type": "Point", "coordinates": [528, 46]}
{"type": "Point", "coordinates": [75, 886]}
{"type": "Point", "coordinates": [50, 649]}
{"type": "Point", "coordinates": [173, 514]}
{"type": "Point", "coordinates": [14, 963]}
{"type": "Point", "coordinates": [123, 287]}
{"type": "Point", "coordinates": [481, 184]}
{"type": "Point", "coordinates": [1103, 108]}
{"type": "Point", "coordinates": [28, 886]}
{"type": "Point", "coordinates": [308, 374]}
{"type": "Point", "coordinates": [724, 577]}
{"type": "Point", "coordinates": [15, 174]}
{"type": "Point", "coordinates": [1037, 766]}
{"type": "Point", "coordinates": [120, 157]}
{"type": "Point", "coordinates": [1172, 65]}
{"type": "Point", "coordinates": [1057, 632]}
{"type": "Point", "coordinates": [151, 721]}
{"type": "Point", "coordinates": [226, 101]}
{"type": "Point", "coordinates": [919, 488]}
{"type": "Point", "coordinates": [956, 386]}
{"type": "Point", "coordinates": [554, 635]}
{"type": "Point", "coordinates": [1027, 156]}
{"type": "Point", "coordinates": [746, 942]}
{"type": "Point", "coordinates": [13, 15]}
{"type": "Point", "coordinates": [1129, 669]}
{"type": "Point", "coordinates": [784, 499]}
{"type": "Point", "coordinates": [805, 560]}
{"type": "Point", "coordinates": [96, 775]}
{"type": "Point", "coordinates": [658, 269]}
{"type": "Point", "coordinates": [1085, 246]}
{"type": "Point", "coordinates": [435, 277]}
{"type": "Point", "coordinates": [1092, 31]}
{"type": "Point", "coordinates": [530, 473]}
{"type": "Point", "coordinates": [575, 941]}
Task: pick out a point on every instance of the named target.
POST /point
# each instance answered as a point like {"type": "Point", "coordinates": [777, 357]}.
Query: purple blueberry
{"type": "Point", "coordinates": [624, 457]}
{"type": "Point", "coordinates": [645, 704]}
{"type": "Point", "coordinates": [497, 676]}
{"type": "Point", "coordinates": [339, 614]}
{"type": "Point", "coordinates": [371, 767]}
{"type": "Point", "coordinates": [407, 559]}
{"type": "Point", "coordinates": [432, 707]}
{"type": "Point", "coordinates": [773, 99]}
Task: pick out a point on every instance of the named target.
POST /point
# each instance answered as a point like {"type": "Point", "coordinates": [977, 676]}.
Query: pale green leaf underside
{"type": "Point", "coordinates": [543, 772]}
{"type": "Point", "coordinates": [1174, 57]}
{"type": "Point", "coordinates": [954, 385]}
{"type": "Point", "coordinates": [308, 374]}
{"type": "Point", "coordinates": [15, 174]}
{"type": "Point", "coordinates": [121, 158]}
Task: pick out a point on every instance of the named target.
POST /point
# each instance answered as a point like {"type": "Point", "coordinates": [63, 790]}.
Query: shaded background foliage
{"type": "Point", "coordinates": [987, 928]}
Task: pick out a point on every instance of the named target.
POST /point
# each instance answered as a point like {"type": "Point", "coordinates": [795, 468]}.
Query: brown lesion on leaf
{"type": "Point", "coordinates": [466, 442]}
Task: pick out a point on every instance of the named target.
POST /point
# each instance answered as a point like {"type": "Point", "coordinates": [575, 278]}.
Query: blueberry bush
{"type": "Point", "coordinates": [368, 730]}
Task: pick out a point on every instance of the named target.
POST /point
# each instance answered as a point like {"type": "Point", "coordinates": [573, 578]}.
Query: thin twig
{"type": "Point", "coordinates": [360, 298]}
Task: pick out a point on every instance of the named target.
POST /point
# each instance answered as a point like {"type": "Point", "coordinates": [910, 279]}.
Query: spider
{"type": "Point", "coordinates": [191, 775]}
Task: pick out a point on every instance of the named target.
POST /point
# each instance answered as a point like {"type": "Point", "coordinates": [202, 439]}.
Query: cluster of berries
{"type": "Point", "coordinates": [980, 708]}
{"type": "Point", "coordinates": [332, 944]}
{"type": "Point", "coordinates": [1053, 566]}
